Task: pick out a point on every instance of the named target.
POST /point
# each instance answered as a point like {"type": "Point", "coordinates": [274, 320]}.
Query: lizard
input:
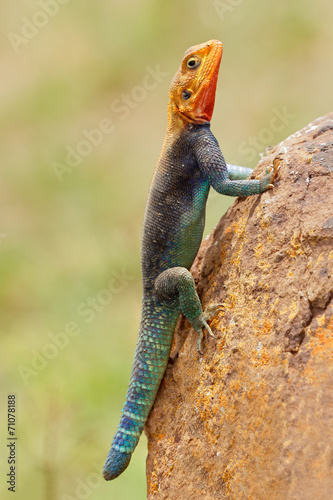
{"type": "Point", "coordinates": [189, 164]}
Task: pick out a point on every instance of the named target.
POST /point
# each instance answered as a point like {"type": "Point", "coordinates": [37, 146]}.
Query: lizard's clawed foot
{"type": "Point", "coordinates": [200, 323]}
{"type": "Point", "coordinates": [273, 170]}
{"type": "Point", "coordinates": [271, 173]}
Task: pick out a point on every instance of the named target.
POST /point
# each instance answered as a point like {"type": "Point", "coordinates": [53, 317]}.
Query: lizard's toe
{"type": "Point", "coordinates": [211, 311]}
{"type": "Point", "coordinates": [200, 322]}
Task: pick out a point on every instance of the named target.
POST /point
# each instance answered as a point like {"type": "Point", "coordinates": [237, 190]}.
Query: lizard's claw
{"type": "Point", "coordinates": [201, 323]}
{"type": "Point", "coordinates": [271, 172]}
{"type": "Point", "coordinates": [211, 311]}
{"type": "Point", "coordinates": [276, 165]}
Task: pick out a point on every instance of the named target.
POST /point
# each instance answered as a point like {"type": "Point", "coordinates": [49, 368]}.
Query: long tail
{"type": "Point", "coordinates": [150, 361]}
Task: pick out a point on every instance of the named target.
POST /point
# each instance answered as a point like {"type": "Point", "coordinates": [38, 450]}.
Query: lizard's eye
{"type": "Point", "coordinates": [193, 62]}
{"type": "Point", "coordinates": [186, 94]}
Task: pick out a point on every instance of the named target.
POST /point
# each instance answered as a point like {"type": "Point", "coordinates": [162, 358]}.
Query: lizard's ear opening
{"type": "Point", "coordinates": [186, 94]}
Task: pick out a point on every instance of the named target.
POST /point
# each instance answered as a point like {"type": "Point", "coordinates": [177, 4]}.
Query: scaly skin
{"type": "Point", "coordinates": [190, 163]}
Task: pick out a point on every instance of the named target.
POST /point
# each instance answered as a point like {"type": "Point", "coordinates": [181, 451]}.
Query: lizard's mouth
{"type": "Point", "coordinates": [208, 81]}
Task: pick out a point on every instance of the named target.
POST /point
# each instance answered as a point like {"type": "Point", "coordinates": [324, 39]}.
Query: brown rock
{"type": "Point", "coordinates": [253, 417]}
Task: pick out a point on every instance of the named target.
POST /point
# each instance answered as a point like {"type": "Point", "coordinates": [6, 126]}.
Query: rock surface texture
{"type": "Point", "coordinates": [253, 417]}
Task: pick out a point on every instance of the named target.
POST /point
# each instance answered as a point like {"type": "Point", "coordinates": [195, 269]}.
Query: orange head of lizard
{"type": "Point", "coordinates": [193, 88]}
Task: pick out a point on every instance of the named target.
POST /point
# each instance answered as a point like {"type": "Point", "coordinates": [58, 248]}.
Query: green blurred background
{"type": "Point", "coordinates": [65, 234]}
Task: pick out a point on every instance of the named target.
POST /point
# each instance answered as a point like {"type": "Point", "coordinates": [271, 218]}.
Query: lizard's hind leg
{"type": "Point", "coordinates": [175, 288]}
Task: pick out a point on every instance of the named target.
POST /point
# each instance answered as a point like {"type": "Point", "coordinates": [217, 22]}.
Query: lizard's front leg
{"type": "Point", "coordinates": [175, 288]}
